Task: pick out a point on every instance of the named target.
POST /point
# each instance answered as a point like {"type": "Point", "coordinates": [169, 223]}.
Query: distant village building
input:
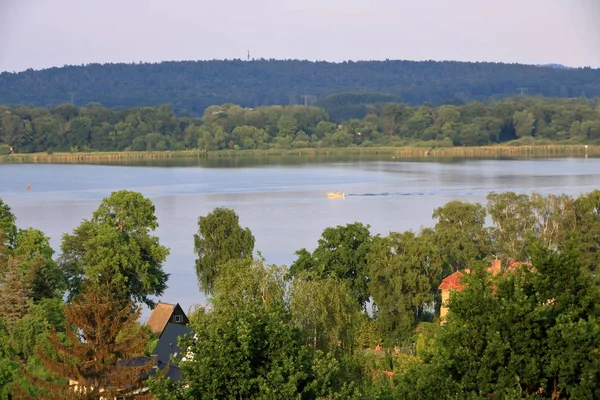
{"type": "Point", "coordinates": [453, 281]}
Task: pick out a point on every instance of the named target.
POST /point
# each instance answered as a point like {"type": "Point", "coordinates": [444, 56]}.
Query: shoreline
{"type": "Point", "coordinates": [536, 151]}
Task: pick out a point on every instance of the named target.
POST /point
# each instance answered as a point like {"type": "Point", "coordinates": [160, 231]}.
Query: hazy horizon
{"type": "Point", "coordinates": [66, 32]}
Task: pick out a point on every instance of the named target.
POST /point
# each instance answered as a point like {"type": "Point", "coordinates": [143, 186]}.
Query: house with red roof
{"type": "Point", "coordinates": [454, 281]}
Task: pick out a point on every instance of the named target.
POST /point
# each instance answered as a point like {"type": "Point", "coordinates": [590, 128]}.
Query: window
{"type": "Point", "coordinates": [177, 318]}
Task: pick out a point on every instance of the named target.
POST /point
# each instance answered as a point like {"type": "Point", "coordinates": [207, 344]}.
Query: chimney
{"type": "Point", "coordinates": [155, 361]}
{"type": "Point", "coordinates": [496, 267]}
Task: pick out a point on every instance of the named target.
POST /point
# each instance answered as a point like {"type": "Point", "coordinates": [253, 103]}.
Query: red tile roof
{"type": "Point", "coordinates": [513, 264]}
{"type": "Point", "coordinates": [452, 281]}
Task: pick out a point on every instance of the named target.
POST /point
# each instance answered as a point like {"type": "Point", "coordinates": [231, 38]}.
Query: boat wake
{"type": "Point", "coordinates": [412, 194]}
{"type": "Point", "coordinates": [387, 194]}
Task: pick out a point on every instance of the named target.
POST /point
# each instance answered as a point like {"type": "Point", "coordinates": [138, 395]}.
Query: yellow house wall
{"type": "Point", "coordinates": [444, 307]}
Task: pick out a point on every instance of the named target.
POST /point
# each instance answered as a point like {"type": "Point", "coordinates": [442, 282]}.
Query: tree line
{"type": "Point", "coordinates": [192, 86]}
{"type": "Point", "coordinates": [313, 330]}
{"type": "Point", "coordinates": [95, 128]}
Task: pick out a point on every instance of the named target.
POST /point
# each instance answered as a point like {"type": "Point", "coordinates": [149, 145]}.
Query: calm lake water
{"type": "Point", "coordinates": [283, 203]}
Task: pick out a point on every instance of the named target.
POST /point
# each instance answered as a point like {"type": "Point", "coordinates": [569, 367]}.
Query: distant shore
{"type": "Point", "coordinates": [538, 151]}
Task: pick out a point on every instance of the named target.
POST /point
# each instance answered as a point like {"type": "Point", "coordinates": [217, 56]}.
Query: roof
{"type": "Point", "coordinates": [452, 281]}
{"type": "Point", "coordinates": [160, 317]}
{"type": "Point", "coordinates": [514, 264]}
{"type": "Point", "coordinates": [173, 371]}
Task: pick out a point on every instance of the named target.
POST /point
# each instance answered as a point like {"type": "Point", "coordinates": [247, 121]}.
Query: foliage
{"type": "Point", "coordinates": [116, 248]}
{"type": "Point", "coordinates": [327, 313]}
{"type": "Point", "coordinates": [14, 294]}
{"type": "Point", "coordinates": [403, 271]}
{"type": "Point", "coordinates": [220, 239]}
{"type": "Point", "coordinates": [7, 365]}
{"type": "Point", "coordinates": [383, 121]}
{"type": "Point", "coordinates": [341, 254]}
{"type": "Point", "coordinates": [100, 333]}
{"type": "Point", "coordinates": [8, 229]}
{"type": "Point", "coordinates": [263, 82]}
{"type": "Point", "coordinates": [40, 273]}
{"type": "Point", "coordinates": [461, 234]}
{"type": "Point", "coordinates": [244, 345]}
{"type": "Point", "coordinates": [532, 332]}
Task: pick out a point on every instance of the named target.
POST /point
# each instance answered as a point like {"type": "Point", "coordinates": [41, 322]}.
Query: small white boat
{"type": "Point", "coordinates": [335, 195]}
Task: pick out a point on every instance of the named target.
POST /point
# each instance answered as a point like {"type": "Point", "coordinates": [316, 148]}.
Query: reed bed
{"type": "Point", "coordinates": [540, 151]}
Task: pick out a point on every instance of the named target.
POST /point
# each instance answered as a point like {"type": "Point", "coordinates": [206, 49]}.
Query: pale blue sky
{"type": "Point", "coordinates": [45, 33]}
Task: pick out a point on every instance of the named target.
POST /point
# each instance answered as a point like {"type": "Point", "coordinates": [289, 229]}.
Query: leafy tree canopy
{"type": "Point", "coordinates": [220, 239]}
{"type": "Point", "coordinates": [116, 248]}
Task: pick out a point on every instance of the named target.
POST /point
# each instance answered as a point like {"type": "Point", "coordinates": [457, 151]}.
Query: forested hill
{"type": "Point", "coordinates": [195, 85]}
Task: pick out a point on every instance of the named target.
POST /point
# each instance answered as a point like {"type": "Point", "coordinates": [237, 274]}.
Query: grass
{"type": "Point", "coordinates": [553, 150]}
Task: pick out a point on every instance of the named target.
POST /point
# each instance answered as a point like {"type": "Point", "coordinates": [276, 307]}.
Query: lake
{"type": "Point", "coordinates": [283, 203]}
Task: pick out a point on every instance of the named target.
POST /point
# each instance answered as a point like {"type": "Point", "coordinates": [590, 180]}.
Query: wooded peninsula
{"type": "Point", "coordinates": [461, 310]}
{"type": "Point", "coordinates": [513, 121]}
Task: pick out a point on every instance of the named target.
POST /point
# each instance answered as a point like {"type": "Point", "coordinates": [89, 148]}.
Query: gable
{"type": "Point", "coordinates": [178, 316]}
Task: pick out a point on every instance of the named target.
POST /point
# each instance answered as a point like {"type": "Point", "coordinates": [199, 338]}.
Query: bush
{"type": "Point", "coordinates": [4, 149]}
{"type": "Point", "coordinates": [50, 151]}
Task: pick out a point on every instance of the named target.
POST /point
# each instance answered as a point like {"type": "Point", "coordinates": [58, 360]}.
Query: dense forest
{"type": "Point", "coordinates": [356, 318]}
{"type": "Point", "coordinates": [92, 128]}
{"type": "Point", "coordinates": [192, 86]}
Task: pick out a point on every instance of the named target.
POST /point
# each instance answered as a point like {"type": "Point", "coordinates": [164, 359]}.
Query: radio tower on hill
{"type": "Point", "coordinates": [248, 55]}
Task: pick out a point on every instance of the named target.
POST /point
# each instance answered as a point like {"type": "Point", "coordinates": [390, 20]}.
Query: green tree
{"type": "Point", "coordinates": [101, 331]}
{"type": "Point", "coordinates": [327, 313]}
{"type": "Point", "coordinates": [287, 126]}
{"type": "Point", "coordinates": [461, 234]}
{"type": "Point", "coordinates": [7, 366]}
{"type": "Point", "coordinates": [531, 332]}
{"type": "Point", "coordinates": [14, 293]}
{"type": "Point", "coordinates": [556, 218]}
{"type": "Point", "coordinates": [220, 239]}
{"type": "Point", "coordinates": [40, 272]}
{"type": "Point", "coordinates": [524, 123]}
{"type": "Point", "coordinates": [587, 232]}
{"type": "Point", "coordinates": [116, 248]}
{"type": "Point", "coordinates": [244, 345]}
{"type": "Point", "coordinates": [8, 228]}
{"type": "Point", "coordinates": [341, 253]}
{"type": "Point", "coordinates": [513, 217]}
{"type": "Point", "coordinates": [402, 269]}
{"type": "Point", "coordinates": [391, 114]}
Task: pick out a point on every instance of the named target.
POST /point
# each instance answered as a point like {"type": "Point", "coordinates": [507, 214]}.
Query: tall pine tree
{"type": "Point", "coordinates": [14, 293]}
{"type": "Point", "coordinates": [101, 332]}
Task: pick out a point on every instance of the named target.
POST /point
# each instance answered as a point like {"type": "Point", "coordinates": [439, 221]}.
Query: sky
{"type": "Point", "coordinates": [45, 33]}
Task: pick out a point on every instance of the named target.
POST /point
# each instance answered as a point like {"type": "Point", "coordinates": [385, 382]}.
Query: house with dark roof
{"type": "Point", "coordinates": [169, 323]}
{"type": "Point", "coordinates": [165, 313]}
